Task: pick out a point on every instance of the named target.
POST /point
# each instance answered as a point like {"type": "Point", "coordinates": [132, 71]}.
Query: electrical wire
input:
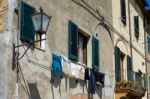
{"type": "Point", "coordinates": [24, 81]}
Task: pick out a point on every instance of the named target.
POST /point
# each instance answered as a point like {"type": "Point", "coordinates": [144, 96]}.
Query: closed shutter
{"type": "Point", "coordinates": [73, 41]}
{"type": "Point", "coordinates": [136, 26]}
{"type": "Point", "coordinates": [129, 68]}
{"type": "Point", "coordinates": [27, 27]}
{"type": "Point", "coordinates": [95, 53]}
{"type": "Point", "coordinates": [149, 83]}
{"type": "Point", "coordinates": [123, 11]}
{"type": "Point", "coordinates": [148, 40]}
{"type": "Point", "coordinates": [117, 64]}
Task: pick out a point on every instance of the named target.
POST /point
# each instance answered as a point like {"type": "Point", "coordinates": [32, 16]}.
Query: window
{"type": "Point", "coordinates": [123, 71]}
{"type": "Point", "coordinates": [148, 45]}
{"type": "Point", "coordinates": [40, 41]}
{"type": "Point", "coordinates": [77, 44]}
{"type": "Point", "coordinates": [95, 53]}
{"type": "Point", "coordinates": [136, 26]}
{"type": "Point", "coordinates": [123, 11]}
{"type": "Point", "coordinates": [27, 27]}
{"type": "Point", "coordinates": [82, 49]}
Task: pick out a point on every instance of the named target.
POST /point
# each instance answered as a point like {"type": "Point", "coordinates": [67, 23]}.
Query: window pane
{"type": "Point", "coordinates": [45, 22]}
{"type": "Point", "coordinates": [43, 42]}
{"type": "Point", "coordinates": [81, 50]}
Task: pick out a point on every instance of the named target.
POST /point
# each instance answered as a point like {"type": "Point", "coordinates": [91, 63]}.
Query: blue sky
{"type": "Point", "coordinates": [148, 7]}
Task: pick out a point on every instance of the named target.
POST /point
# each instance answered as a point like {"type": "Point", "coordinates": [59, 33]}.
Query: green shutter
{"type": "Point", "coordinates": [148, 40]}
{"type": "Point", "coordinates": [149, 83]}
{"type": "Point", "coordinates": [95, 53]}
{"type": "Point", "coordinates": [27, 27]}
{"type": "Point", "coordinates": [117, 64]}
{"type": "Point", "coordinates": [73, 41]}
{"type": "Point", "coordinates": [129, 68]}
{"type": "Point", "coordinates": [136, 26]}
{"type": "Point", "coordinates": [123, 11]}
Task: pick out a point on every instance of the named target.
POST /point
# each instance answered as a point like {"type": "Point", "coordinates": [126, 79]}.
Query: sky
{"type": "Point", "coordinates": [148, 7]}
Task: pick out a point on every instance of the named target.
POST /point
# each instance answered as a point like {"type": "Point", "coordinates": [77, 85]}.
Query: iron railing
{"type": "Point", "coordinates": [129, 75]}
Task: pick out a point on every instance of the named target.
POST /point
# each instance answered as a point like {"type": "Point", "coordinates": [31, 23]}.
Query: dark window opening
{"type": "Point", "coordinates": [82, 48]}
{"type": "Point", "coordinates": [123, 11]}
{"type": "Point", "coordinates": [136, 27]}
{"type": "Point", "coordinates": [122, 57]}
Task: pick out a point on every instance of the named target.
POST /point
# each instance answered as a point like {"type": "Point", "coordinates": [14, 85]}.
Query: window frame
{"type": "Point", "coordinates": [85, 42]}
{"type": "Point", "coordinates": [40, 44]}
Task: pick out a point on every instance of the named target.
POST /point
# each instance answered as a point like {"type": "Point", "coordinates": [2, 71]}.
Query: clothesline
{"type": "Point", "coordinates": [83, 65]}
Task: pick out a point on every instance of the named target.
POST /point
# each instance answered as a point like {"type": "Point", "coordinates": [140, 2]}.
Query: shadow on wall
{"type": "Point", "coordinates": [56, 82]}
{"type": "Point", "coordinates": [34, 93]}
{"type": "Point", "coordinates": [99, 90]}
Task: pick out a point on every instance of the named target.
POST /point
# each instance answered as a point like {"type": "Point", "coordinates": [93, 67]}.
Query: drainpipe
{"type": "Point", "coordinates": [145, 42]}
{"type": "Point", "coordinates": [130, 34]}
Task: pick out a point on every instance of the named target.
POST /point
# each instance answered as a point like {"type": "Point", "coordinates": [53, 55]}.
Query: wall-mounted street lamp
{"type": "Point", "coordinates": [41, 22]}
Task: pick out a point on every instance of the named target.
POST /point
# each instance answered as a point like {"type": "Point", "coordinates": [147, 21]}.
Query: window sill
{"type": "Point", "coordinates": [39, 48]}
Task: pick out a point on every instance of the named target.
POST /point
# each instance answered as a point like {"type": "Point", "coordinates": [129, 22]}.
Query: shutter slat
{"type": "Point", "coordinates": [73, 41]}
{"type": "Point", "coordinates": [95, 53]}
{"type": "Point", "coordinates": [117, 64]}
{"type": "Point", "coordinates": [27, 27]}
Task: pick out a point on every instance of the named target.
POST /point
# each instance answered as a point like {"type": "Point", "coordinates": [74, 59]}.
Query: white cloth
{"type": "Point", "coordinates": [65, 64]}
{"type": "Point", "coordinates": [78, 71]}
{"type": "Point", "coordinates": [72, 70]}
{"type": "Point", "coordinates": [82, 73]}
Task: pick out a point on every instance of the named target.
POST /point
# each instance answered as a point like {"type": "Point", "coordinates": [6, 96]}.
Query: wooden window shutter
{"type": "Point", "coordinates": [73, 41]}
{"type": "Point", "coordinates": [136, 26]}
{"type": "Point", "coordinates": [95, 53]}
{"type": "Point", "coordinates": [27, 27]}
{"type": "Point", "coordinates": [117, 64]}
{"type": "Point", "coordinates": [123, 11]}
{"type": "Point", "coordinates": [129, 68]}
{"type": "Point", "coordinates": [148, 40]}
{"type": "Point", "coordinates": [149, 83]}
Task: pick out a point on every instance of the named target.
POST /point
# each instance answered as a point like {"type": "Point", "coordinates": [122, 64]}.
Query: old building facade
{"type": "Point", "coordinates": [81, 23]}
{"type": "Point", "coordinates": [129, 41]}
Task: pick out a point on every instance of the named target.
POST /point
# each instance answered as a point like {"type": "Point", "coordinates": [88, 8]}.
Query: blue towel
{"type": "Point", "coordinates": [57, 66]}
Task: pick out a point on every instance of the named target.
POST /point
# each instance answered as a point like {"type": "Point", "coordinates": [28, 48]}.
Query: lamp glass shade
{"type": "Point", "coordinates": [45, 22]}
{"type": "Point", "coordinates": [36, 18]}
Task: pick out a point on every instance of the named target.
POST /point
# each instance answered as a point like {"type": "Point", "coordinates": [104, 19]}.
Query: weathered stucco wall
{"type": "Point", "coordinates": [123, 41]}
{"type": "Point", "coordinates": [35, 65]}
{"type": "Point", "coordinates": [138, 46]}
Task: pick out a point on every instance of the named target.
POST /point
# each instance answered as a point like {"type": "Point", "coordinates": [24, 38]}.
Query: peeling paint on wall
{"type": "Point", "coordinates": [3, 9]}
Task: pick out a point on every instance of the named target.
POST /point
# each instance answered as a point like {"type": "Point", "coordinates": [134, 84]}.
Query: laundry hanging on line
{"type": "Point", "coordinates": [62, 64]}
{"type": "Point", "coordinates": [57, 66]}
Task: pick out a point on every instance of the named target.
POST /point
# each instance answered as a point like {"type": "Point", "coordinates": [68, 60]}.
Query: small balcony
{"type": "Point", "coordinates": [130, 84]}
